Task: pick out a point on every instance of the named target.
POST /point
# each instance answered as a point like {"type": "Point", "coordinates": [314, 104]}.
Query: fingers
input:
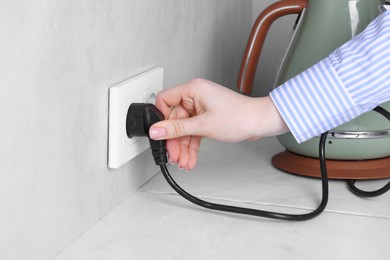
{"type": "Point", "coordinates": [183, 95]}
{"type": "Point", "coordinates": [184, 123]}
{"type": "Point", "coordinates": [179, 124]}
{"type": "Point", "coordinates": [173, 148]}
{"type": "Point", "coordinates": [193, 150]}
{"type": "Point", "coordinates": [167, 99]}
{"type": "Point", "coordinates": [176, 128]}
{"type": "Point", "coordinates": [184, 151]}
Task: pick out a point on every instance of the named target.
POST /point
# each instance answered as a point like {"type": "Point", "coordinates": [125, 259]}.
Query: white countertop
{"type": "Point", "coordinates": [156, 223]}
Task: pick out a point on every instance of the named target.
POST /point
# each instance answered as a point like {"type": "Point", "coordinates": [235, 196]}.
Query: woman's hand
{"type": "Point", "coordinates": [202, 108]}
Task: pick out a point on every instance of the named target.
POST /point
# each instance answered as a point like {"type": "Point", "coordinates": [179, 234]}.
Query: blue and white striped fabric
{"type": "Point", "coordinates": [352, 80]}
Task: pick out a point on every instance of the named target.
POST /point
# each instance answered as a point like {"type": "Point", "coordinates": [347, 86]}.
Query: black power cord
{"type": "Point", "coordinates": [256, 212]}
{"type": "Point", "coordinates": [361, 193]}
{"type": "Point", "coordinates": [140, 118]}
{"type": "Point", "coordinates": [351, 183]}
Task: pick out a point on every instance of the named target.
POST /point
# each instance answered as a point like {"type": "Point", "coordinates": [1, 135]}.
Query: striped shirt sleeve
{"type": "Point", "coordinates": [350, 81]}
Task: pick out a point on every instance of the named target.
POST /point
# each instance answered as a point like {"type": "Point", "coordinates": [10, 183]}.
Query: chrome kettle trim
{"type": "Point", "coordinates": [341, 134]}
{"type": "Point", "coordinates": [291, 42]}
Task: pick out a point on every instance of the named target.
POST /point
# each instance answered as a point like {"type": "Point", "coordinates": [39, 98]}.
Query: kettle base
{"type": "Point", "coordinates": [337, 169]}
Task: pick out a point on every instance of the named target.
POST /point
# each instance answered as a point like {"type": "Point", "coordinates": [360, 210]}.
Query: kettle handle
{"type": "Point", "coordinates": [257, 37]}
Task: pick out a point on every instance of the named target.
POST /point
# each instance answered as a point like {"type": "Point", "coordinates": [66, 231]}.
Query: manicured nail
{"type": "Point", "coordinates": [182, 168]}
{"type": "Point", "coordinates": [170, 161]}
{"type": "Point", "coordinates": [157, 132]}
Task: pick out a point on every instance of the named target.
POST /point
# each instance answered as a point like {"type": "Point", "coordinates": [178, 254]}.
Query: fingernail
{"type": "Point", "coordinates": [182, 168]}
{"type": "Point", "coordinates": [157, 132]}
{"type": "Point", "coordinates": [170, 161]}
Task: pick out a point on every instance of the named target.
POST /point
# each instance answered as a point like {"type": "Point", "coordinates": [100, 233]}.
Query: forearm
{"type": "Point", "coordinates": [265, 119]}
{"type": "Point", "coordinates": [349, 82]}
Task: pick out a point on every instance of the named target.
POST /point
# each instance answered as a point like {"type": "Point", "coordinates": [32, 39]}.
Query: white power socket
{"type": "Point", "coordinates": [140, 89]}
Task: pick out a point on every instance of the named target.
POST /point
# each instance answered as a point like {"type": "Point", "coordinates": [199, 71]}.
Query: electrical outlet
{"type": "Point", "coordinates": [140, 89]}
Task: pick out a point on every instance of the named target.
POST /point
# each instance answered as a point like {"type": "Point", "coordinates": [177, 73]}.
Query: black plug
{"type": "Point", "coordinates": [140, 117]}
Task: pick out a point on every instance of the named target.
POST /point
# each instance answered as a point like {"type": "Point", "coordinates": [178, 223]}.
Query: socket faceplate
{"type": "Point", "coordinates": [139, 89]}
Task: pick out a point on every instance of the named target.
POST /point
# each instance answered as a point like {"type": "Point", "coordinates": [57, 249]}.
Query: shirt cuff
{"type": "Point", "coordinates": [314, 101]}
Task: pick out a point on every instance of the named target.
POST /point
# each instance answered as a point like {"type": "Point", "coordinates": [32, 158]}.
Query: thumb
{"type": "Point", "coordinates": [169, 129]}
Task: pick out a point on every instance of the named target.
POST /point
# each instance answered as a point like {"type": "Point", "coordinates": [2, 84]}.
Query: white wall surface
{"type": "Point", "coordinates": [57, 61]}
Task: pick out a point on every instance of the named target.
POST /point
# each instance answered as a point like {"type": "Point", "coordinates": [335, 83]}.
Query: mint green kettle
{"type": "Point", "coordinates": [321, 27]}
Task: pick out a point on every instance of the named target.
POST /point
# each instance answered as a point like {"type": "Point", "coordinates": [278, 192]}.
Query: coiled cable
{"type": "Point", "coordinates": [351, 183]}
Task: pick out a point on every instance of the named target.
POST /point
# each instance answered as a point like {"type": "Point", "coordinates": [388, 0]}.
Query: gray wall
{"type": "Point", "coordinates": [58, 59]}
